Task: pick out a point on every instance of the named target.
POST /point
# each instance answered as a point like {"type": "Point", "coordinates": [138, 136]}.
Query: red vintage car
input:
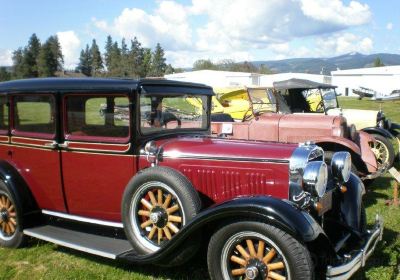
{"type": "Point", "coordinates": [154, 187]}
{"type": "Point", "coordinates": [268, 118]}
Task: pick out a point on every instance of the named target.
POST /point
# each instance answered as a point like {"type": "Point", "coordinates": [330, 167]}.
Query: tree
{"type": "Point", "coordinates": [169, 69]}
{"type": "Point", "coordinates": [96, 60]}
{"type": "Point", "coordinates": [115, 60]}
{"type": "Point", "coordinates": [55, 48]}
{"type": "Point", "coordinates": [204, 64]}
{"type": "Point", "coordinates": [47, 62]}
{"type": "Point", "coordinates": [136, 59]}
{"type": "Point", "coordinates": [4, 74]}
{"type": "Point", "coordinates": [30, 58]}
{"type": "Point", "coordinates": [85, 62]}
{"type": "Point", "coordinates": [145, 69]}
{"type": "Point", "coordinates": [378, 62]}
{"type": "Point", "coordinates": [158, 64]}
{"type": "Point", "coordinates": [124, 67]}
{"type": "Point", "coordinates": [107, 54]}
{"type": "Point", "coordinates": [17, 67]}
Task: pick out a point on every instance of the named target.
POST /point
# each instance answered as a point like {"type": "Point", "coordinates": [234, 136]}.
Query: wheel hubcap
{"type": "Point", "coordinates": [160, 215]}
{"type": "Point", "coordinates": [251, 272]}
{"type": "Point", "coordinates": [8, 222]}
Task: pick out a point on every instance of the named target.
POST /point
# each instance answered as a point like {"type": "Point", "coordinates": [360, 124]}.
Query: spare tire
{"type": "Point", "coordinates": [157, 203]}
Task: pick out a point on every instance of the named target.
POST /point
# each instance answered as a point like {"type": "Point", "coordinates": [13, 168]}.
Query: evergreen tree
{"type": "Point", "coordinates": [378, 62]}
{"type": "Point", "coordinates": [96, 60]}
{"type": "Point", "coordinates": [85, 62]}
{"type": "Point", "coordinates": [4, 74]}
{"type": "Point", "coordinates": [145, 69]}
{"type": "Point", "coordinates": [158, 64]}
{"type": "Point", "coordinates": [169, 69]}
{"type": "Point", "coordinates": [47, 61]}
{"type": "Point", "coordinates": [124, 66]}
{"type": "Point", "coordinates": [30, 58]}
{"type": "Point", "coordinates": [136, 57]}
{"type": "Point", "coordinates": [204, 64]}
{"type": "Point", "coordinates": [55, 48]}
{"type": "Point", "coordinates": [17, 58]}
{"type": "Point", "coordinates": [115, 61]}
{"type": "Point", "coordinates": [107, 54]}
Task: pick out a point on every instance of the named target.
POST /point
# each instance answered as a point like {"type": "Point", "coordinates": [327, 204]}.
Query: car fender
{"type": "Point", "coordinates": [23, 197]}
{"type": "Point", "coordinates": [378, 130]}
{"type": "Point", "coordinates": [352, 201]}
{"type": "Point", "coordinates": [282, 214]}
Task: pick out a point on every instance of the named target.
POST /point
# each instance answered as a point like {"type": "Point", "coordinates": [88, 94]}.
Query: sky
{"type": "Point", "coordinates": [242, 30]}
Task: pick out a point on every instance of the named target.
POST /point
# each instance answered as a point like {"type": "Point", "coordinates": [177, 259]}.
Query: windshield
{"type": "Point", "coordinates": [329, 96]}
{"type": "Point", "coordinates": [262, 100]}
{"type": "Point", "coordinates": [160, 113]}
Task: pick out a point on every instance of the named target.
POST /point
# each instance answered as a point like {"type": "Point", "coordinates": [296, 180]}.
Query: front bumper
{"type": "Point", "coordinates": [358, 259]}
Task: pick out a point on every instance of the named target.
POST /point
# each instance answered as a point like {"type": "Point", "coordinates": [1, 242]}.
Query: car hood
{"type": "Point", "coordinates": [222, 148]}
{"type": "Point", "coordinates": [360, 118]}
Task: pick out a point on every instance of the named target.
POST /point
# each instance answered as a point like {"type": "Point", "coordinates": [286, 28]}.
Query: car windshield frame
{"type": "Point", "coordinates": [269, 94]}
{"type": "Point", "coordinates": [326, 108]}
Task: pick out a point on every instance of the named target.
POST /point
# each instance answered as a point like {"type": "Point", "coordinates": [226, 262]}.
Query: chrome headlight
{"type": "Point", "coordinates": [315, 177]}
{"type": "Point", "coordinates": [341, 166]}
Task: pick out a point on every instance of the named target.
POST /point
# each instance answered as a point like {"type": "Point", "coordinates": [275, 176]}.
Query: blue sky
{"type": "Point", "coordinates": [208, 29]}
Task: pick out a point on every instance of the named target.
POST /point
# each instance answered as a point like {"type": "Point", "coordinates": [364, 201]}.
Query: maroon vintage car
{"type": "Point", "coordinates": [153, 187]}
{"type": "Point", "coordinates": [268, 118]}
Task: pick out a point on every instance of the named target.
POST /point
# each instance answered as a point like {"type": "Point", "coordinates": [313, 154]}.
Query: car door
{"type": "Point", "coordinates": [33, 150]}
{"type": "Point", "coordinates": [97, 157]}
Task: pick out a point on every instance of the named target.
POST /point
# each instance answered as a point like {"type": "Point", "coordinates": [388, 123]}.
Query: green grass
{"type": "Point", "coordinates": [41, 260]}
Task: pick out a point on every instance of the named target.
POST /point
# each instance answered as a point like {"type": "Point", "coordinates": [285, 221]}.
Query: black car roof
{"type": "Point", "coordinates": [93, 84]}
{"type": "Point", "coordinates": [300, 84]}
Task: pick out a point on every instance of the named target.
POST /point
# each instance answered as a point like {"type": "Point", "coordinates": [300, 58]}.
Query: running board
{"type": "Point", "coordinates": [103, 246]}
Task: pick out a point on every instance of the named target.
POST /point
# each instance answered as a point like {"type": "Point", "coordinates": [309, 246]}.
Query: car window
{"type": "Point", "coordinates": [3, 115]}
{"type": "Point", "coordinates": [106, 117]}
{"type": "Point", "coordinates": [34, 114]}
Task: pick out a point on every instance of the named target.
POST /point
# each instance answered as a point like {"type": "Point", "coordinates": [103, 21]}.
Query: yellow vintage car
{"type": "Point", "coordinates": [235, 101]}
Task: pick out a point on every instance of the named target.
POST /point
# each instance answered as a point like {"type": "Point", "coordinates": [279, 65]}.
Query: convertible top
{"type": "Point", "coordinates": [300, 84]}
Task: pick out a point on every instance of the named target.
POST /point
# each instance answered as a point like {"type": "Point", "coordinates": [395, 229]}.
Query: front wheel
{"type": "Point", "coordinates": [383, 151]}
{"type": "Point", "coordinates": [253, 250]}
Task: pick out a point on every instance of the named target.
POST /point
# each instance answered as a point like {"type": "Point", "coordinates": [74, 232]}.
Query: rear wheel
{"type": "Point", "coordinates": [10, 229]}
{"type": "Point", "coordinates": [383, 151]}
{"type": "Point", "coordinates": [254, 250]}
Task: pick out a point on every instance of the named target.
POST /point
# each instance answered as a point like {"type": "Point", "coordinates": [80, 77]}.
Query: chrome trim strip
{"type": "Point", "coordinates": [69, 245]}
{"type": "Point", "coordinates": [345, 271]}
{"type": "Point", "coordinates": [82, 219]}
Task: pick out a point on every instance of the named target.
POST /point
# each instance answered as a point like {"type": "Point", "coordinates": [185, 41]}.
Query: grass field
{"type": "Point", "coordinates": [41, 260]}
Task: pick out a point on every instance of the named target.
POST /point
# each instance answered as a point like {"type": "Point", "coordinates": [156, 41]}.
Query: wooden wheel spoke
{"type": "Point", "coordinates": [152, 232]}
{"type": "Point", "coordinates": [237, 272]}
{"type": "Point", "coordinates": [8, 203]}
{"type": "Point", "coordinates": [172, 227]}
{"type": "Point", "coordinates": [146, 224]}
{"type": "Point", "coordinates": [175, 219]}
{"type": "Point", "coordinates": [160, 235]}
{"type": "Point", "coordinates": [146, 204]}
{"type": "Point", "coordinates": [12, 227]}
{"type": "Point", "coordinates": [243, 252]}
{"type": "Point", "coordinates": [144, 213]}
{"type": "Point", "coordinates": [275, 266]}
{"type": "Point", "coordinates": [13, 221]}
{"type": "Point", "coordinates": [252, 250]}
{"type": "Point", "coordinates": [7, 228]}
{"type": "Point", "coordinates": [3, 201]}
{"type": "Point", "coordinates": [238, 260]}
{"type": "Point", "coordinates": [167, 201]}
{"type": "Point", "coordinates": [173, 209]}
{"type": "Point", "coordinates": [268, 257]}
{"type": "Point", "coordinates": [159, 196]}
{"type": "Point", "coordinates": [276, 276]}
{"type": "Point", "coordinates": [260, 249]}
{"type": "Point", "coordinates": [3, 227]}
{"type": "Point", "coordinates": [152, 198]}
{"type": "Point", "coordinates": [167, 233]}
{"type": "Point", "coordinates": [12, 214]}
{"type": "Point", "coordinates": [11, 208]}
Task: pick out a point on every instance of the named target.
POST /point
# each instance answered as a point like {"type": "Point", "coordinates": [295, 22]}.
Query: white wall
{"type": "Point", "coordinates": [268, 80]}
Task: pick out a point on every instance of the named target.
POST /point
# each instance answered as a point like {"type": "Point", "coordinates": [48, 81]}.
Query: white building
{"type": "Point", "coordinates": [381, 79]}
{"type": "Point", "coordinates": [217, 78]}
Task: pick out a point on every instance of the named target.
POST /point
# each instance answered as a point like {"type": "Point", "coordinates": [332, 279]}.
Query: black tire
{"type": "Point", "coordinates": [11, 235]}
{"type": "Point", "coordinates": [387, 147]}
{"type": "Point", "coordinates": [290, 253]}
{"type": "Point", "coordinates": [156, 219]}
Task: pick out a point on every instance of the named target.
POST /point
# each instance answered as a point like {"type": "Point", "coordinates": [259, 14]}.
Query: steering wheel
{"type": "Point", "coordinates": [320, 107]}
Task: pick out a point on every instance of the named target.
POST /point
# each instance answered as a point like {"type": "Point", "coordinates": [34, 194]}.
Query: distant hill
{"type": "Point", "coordinates": [315, 65]}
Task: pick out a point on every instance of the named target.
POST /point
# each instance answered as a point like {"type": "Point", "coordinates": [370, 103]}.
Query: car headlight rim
{"type": "Point", "coordinates": [341, 166]}
{"type": "Point", "coordinates": [315, 177]}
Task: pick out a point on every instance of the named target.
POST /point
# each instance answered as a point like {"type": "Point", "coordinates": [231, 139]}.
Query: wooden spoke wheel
{"type": "Point", "coordinates": [383, 151]}
{"type": "Point", "coordinates": [248, 250]}
{"type": "Point", "coordinates": [255, 257]}
{"type": "Point", "coordinates": [160, 214]}
{"type": "Point", "coordinates": [8, 214]}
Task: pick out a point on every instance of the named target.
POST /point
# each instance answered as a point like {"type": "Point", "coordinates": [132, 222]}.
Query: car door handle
{"type": "Point", "coordinates": [51, 145]}
{"type": "Point", "coordinates": [63, 145]}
